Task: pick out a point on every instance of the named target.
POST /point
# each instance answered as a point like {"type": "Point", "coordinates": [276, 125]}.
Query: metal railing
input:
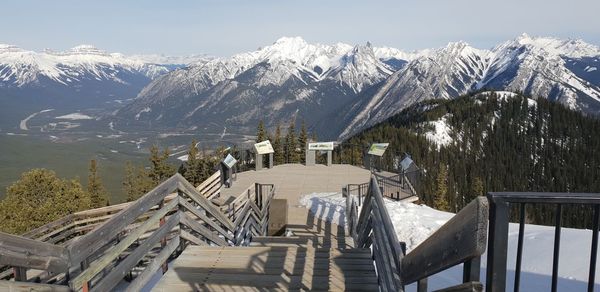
{"type": "Point", "coordinates": [498, 236]}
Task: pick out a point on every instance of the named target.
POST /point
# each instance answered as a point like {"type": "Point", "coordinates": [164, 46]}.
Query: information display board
{"type": "Point", "coordinates": [264, 147]}
{"type": "Point", "coordinates": [229, 161]}
{"type": "Point", "coordinates": [378, 149]}
{"type": "Point", "coordinates": [321, 146]}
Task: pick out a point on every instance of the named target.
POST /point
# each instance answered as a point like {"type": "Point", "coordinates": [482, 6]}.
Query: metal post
{"type": "Point", "coordinates": [520, 247]}
{"type": "Point", "coordinates": [556, 248]}
{"type": "Point", "coordinates": [497, 246]}
{"type": "Point", "coordinates": [422, 285]}
{"type": "Point", "coordinates": [594, 253]}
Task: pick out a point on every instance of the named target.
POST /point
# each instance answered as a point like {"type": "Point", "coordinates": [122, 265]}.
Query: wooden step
{"type": "Point", "coordinates": [303, 241]}
{"type": "Point", "coordinates": [201, 268]}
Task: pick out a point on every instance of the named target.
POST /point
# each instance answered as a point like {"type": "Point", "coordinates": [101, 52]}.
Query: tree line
{"type": "Point", "coordinates": [498, 144]}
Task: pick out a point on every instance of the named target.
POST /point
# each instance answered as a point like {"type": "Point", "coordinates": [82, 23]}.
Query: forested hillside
{"type": "Point", "coordinates": [494, 142]}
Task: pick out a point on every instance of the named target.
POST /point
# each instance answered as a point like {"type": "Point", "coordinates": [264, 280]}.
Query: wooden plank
{"type": "Point", "coordinates": [203, 202]}
{"type": "Point", "coordinates": [191, 238]}
{"type": "Point", "coordinates": [465, 287]}
{"type": "Point", "coordinates": [109, 281]}
{"type": "Point", "coordinates": [197, 227]}
{"type": "Point", "coordinates": [188, 206]}
{"type": "Point", "coordinates": [209, 180]}
{"type": "Point", "coordinates": [112, 253]}
{"type": "Point", "coordinates": [462, 238]}
{"type": "Point", "coordinates": [140, 281]}
{"type": "Point", "coordinates": [85, 245]}
{"type": "Point", "coordinates": [33, 234]}
{"type": "Point", "coordinates": [26, 286]}
{"type": "Point", "coordinates": [28, 253]}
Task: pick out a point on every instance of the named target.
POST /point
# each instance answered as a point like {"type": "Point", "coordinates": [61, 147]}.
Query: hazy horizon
{"type": "Point", "coordinates": [222, 29]}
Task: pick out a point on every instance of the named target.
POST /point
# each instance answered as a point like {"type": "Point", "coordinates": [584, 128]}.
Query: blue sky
{"type": "Point", "coordinates": [222, 27]}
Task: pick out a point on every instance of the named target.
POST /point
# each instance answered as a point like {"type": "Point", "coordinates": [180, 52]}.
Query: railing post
{"type": "Point", "coordinates": [471, 269]}
{"type": "Point", "coordinates": [20, 274]}
{"type": "Point", "coordinates": [422, 285]}
{"type": "Point", "coordinates": [163, 241]}
{"type": "Point", "coordinates": [84, 265]}
{"type": "Point", "coordinates": [181, 211]}
{"type": "Point", "coordinates": [497, 245]}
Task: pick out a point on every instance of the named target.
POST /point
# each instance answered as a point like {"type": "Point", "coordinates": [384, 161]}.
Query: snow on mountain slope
{"type": "Point", "coordinates": [289, 76]}
{"type": "Point", "coordinates": [445, 73]}
{"type": "Point", "coordinates": [414, 223]}
{"type": "Point", "coordinates": [20, 67]}
{"type": "Point", "coordinates": [547, 67]}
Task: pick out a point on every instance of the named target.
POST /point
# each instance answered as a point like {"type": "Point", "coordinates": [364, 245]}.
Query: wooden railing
{"type": "Point", "coordinates": [134, 239]}
{"type": "Point", "coordinates": [460, 240]}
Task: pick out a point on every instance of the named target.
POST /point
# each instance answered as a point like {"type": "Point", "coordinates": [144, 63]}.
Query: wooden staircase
{"type": "Point", "coordinates": [299, 263]}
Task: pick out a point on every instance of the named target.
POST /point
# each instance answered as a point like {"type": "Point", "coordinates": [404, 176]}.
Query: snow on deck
{"type": "Point", "coordinates": [414, 223]}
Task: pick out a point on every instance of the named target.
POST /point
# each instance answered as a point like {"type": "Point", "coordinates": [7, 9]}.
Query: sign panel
{"type": "Point", "coordinates": [229, 161]}
{"type": "Point", "coordinates": [263, 147]}
{"type": "Point", "coordinates": [322, 146]}
{"type": "Point", "coordinates": [378, 149]}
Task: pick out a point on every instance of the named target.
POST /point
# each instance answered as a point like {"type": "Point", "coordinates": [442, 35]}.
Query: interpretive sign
{"type": "Point", "coordinates": [321, 146]}
{"type": "Point", "coordinates": [263, 147]}
{"type": "Point", "coordinates": [229, 161]}
{"type": "Point", "coordinates": [378, 149]}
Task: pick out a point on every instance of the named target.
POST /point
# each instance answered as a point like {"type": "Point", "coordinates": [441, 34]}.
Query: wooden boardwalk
{"type": "Point", "coordinates": [201, 268]}
{"type": "Point", "coordinates": [318, 255]}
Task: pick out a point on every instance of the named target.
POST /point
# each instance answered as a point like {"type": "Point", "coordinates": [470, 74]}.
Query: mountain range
{"type": "Point", "coordinates": [336, 89]}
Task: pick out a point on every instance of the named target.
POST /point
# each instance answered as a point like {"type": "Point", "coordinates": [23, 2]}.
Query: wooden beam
{"type": "Point", "coordinates": [140, 281]}
{"type": "Point", "coordinates": [197, 227]}
{"type": "Point", "coordinates": [28, 253]}
{"type": "Point", "coordinates": [108, 282]}
{"type": "Point", "coordinates": [462, 238]}
{"type": "Point", "coordinates": [87, 244]}
{"type": "Point", "coordinates": [26, 286]}
{"type": "Point", "coordinates": [188, 206]}
{"type": "Point", "coordinates": [112, 253]}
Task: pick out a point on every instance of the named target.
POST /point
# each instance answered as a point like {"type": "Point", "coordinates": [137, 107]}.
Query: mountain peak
{"type": "Point", "coordinates": [291, 41]}
{"type": "Point", "coordinates": [5, 48]}
{"type": "Point", "coordinates": [85, 50]}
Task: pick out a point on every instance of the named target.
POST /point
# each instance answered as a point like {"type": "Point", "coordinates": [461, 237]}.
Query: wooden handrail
{"type": "Point", "coordinates": [173, 214]}
{"type": "Point", "coordinates": [461, 240]}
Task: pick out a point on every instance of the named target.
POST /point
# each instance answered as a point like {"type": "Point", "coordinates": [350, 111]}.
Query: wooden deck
{"type": "Point", "coordinates": [270, 268]}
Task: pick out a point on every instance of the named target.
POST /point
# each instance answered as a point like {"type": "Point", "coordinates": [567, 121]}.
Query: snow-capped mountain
{"type": "Point", "coordinates": [288, 78]}
{"type": "Point", "coordinates": [78, 78]}
{"type": "Point", "coordinates": [560, 70]}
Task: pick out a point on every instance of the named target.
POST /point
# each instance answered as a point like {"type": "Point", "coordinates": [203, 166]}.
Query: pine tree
{"type": "Point", "coordinates": [441, 202]}
{"type": "Point", "coordinates": [278, 146]}
{"type": "Point", "coordinates": [137, 182]}
{"type": "Point", "coordinates": [261, 134]}
{"type": "Point", "coordinates": [478, 187]}
{"type": "Point", "coordinates": [302, 140]}
{"type": "Point", "coordinates": [291, 144]}
{"type": "Point", "coordinates": [192, 168]}
{"type": "Point", "coordinates": [95, 189]}
{"type": "Point", "coordinates": [40, 197]}
{"type": "Point", "coordinates": [160, 169]}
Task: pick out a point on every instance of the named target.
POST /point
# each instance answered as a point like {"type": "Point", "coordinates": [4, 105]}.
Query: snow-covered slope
{"type": "Point", "coordinates": [560, 70]}
{"type": "Point", "coordinates": [275, 83]}
{"type": "Point", "coordinates": [414, 223]}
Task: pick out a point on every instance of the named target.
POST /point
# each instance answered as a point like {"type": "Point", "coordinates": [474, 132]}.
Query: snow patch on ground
{"type": "Point", "coordinates": [414, 223]}
{"type": "Point", "coordinates": [74, 116]}
{"type": "Point", "coordinates": [441, 132]}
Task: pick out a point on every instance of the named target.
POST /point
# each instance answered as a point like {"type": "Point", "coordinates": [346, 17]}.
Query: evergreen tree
{"type": "Point", "coordinates": [160, 169]}
{"type": "Point", "coordinates": [478, 188]}
{"type": "Point", "coordinates": [261, 133]}
{"type": "Point", "coordinates": [278, 156]}
{"type": "Point", "coordinates": [441, 201]}
{"type": "Point", "coordinates": [291, 144]}
{"type": "Point", "coordinates": [192, 168]}
{"type": "Point", "coordinates": [97, 192]}
{"type": "Point", "coordinates": [137, 182]}
{"type": "Point", "coordinates": [40, 197]}
{"type": "Point", "coordinates": [302, 140]}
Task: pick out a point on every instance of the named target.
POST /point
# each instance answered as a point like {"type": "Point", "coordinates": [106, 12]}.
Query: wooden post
{"type": "Point", "coordinates": [163, 241]}
{"type": "Point", "coordinates": [20, 274]}
{"type": "Point", "coordinates": [85, 287]}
